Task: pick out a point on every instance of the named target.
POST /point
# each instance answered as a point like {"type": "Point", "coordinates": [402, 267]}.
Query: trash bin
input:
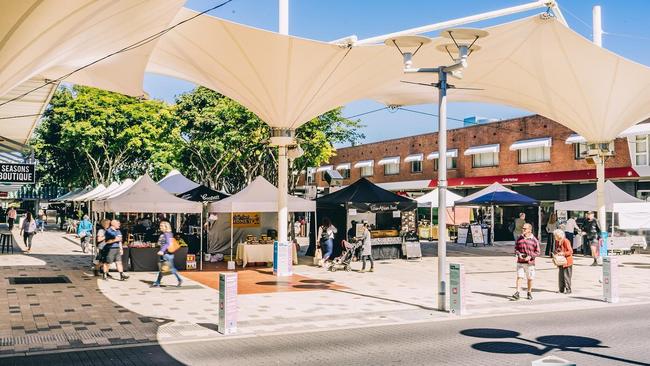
{"type": "Point", "coordinates": [552, 361]}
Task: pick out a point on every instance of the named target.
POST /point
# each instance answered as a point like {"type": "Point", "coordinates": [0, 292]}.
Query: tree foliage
{"type": "Point", "coordinates": [91, 136]}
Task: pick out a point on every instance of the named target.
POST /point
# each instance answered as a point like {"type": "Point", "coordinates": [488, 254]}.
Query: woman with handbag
{"type": "Point", "coordinates": [563, 259]}
{"type": "Point", "coordinates": [326, 233]}
{"type": "Point", "coordinates": [168, 246]}
{"type": "Point", "coordinates": [28, 230]}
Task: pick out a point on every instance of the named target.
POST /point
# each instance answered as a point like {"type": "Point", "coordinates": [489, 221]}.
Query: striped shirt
{"type": "Point", "coordinates": [528, 246]}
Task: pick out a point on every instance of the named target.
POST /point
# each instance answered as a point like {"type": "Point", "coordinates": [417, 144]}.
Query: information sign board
{"type": "Point", "coordinates": [456, 288]}
{"type": "Point", "coordinates": [228, 307]}
{"type": "Point", "coordinates": [610, 279]}
{"type": "Point", "coordinates": [282, 259]}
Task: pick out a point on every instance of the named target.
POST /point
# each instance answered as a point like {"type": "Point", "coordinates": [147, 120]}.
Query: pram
{"type": "Point", "coordinates": [350, 251]}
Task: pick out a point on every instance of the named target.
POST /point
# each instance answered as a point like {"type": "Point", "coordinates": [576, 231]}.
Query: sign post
{"type": "Point", "coordinates": [457, 289]}
{"type": "Point", "coordinates": [282, 259]}
{"type": "Point", "coordinates": [227, 303]}
{"type": "Point", "coordinates": [610, 279]}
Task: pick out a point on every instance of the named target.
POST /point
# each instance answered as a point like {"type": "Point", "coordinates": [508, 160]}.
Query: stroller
{"type": "Point", "coordinates": [350, 251]}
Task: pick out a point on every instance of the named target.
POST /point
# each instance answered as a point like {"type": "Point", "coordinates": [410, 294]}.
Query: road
{"type": "Point", "coordinates": [609, 336]}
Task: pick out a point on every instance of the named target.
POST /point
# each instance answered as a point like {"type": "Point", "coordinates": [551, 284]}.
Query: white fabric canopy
{"type": "Point", "coordinates": [364, 163]}
{"type": "Point", "coordinates": [79, 193]}
{"type": "Point", "coordinates": [613, 195]}
{"type": "Point", "coordinates": [114, 189]}
{"type": "Point", "coordinates": [144, 195]}
{"type": "Point", "coordinates": [633, 215]}
{"type": "Point", "coordinates": [343, 166]}
{"type": "Point", "coordinates": [453, 153]}
{"type": "Point", "coordinates": [260, 196]}
{"type": "Point", "coordinates": [88, 195]}
{"type": "Point", "coordinates": [324, 168]}
{"type": "Point", "coordinates": [431, 199]}
{"type": "Point", "coordinates": [175, 182]}
{"type": "Point", "coordinates": [414, 157]}
{"type": "Point", "coordinates": [494, 148]}
{"type": "Point", "coordinates": [389, 160]}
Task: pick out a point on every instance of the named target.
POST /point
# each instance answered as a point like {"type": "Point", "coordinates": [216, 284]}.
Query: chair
{"type": "Point", "coordinates": [6, 242]}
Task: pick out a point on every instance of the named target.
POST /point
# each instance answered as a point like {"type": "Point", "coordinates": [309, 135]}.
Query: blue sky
{"type": "Point", "coordinates": [625, 24]}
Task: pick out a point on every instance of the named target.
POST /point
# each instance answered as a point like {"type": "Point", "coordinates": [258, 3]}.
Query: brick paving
{"type": "Point", "coordinates": [43, 317]}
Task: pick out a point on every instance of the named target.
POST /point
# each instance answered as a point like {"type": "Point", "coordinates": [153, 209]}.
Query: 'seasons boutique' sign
{"type": "Point", "coordinates": [17, 173]}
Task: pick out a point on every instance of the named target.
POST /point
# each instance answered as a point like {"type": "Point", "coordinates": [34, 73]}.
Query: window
{"type": "Point", "coordinates": [451, 163]}
{"type": "Point", "coordinates": [535, 155]}
{"type": "Point", "coordinates": [366, 171]}
{"type": "Point", "coordinates": [416, 166]}
{"type": "Point", "coordinates": [485, 160]}
{"type": "Point", "coordinates": [391, 168]}
{"type": "Point", "coordinates": [310, 177]}
{"type": "Point", "coordinates": [641, 150]}
{"type": "Point", "coordinates": [580, 150]}
{"type": "Point", "coordinates": [345, 173]}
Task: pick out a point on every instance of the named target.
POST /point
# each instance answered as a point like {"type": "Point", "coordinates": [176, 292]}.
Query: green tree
{"type": "Point", "coordinates": [91, 136]}
{"type": "Point", "coordinates": [225, 145]}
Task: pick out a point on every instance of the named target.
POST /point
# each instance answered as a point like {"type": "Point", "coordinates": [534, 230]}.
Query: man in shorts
{"type": "Point", "coordinates": [114, 251]}
{"type": "Point", "coordinates": [526, 249]}
{"type": "Point", "coordinates": [100, 242]}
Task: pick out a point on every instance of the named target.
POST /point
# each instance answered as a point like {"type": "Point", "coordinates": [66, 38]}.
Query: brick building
{"type": "Point", "coordinates": [532, 155]}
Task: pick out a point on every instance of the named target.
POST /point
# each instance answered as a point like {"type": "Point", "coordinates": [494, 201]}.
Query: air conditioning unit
{"type": "Point", "coordinates": [333, 178]}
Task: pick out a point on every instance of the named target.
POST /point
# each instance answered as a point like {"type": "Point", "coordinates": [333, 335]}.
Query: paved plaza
{"type": "Point", "coordinates": [89, 312]}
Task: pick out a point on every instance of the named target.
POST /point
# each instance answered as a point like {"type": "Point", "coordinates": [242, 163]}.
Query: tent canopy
{"type": "Point", "coordinates": [175, 182]}
{"type": "Point", "coordinates": [363, 195]}
{"type": "Point", "coordinates": [535, 63]}
{"type": "Point", "coordinates": [90, 194]}
{"type": "Point", "coordinates": [144, 195]}
{"type": "Point", "coordinates": [203, 194]}
{"type": "Point", "coordinates": [431, 199]}
{"type": "Point", "coordinates": [260, 196]}
{"type": "Point", "coordinates": [497, 195]}
{"type": "Point", "coordinates": [613, 195]}
{"type": "Point", "coordinates": [73, 192]}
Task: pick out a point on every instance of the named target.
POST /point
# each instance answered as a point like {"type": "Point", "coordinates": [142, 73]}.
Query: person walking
{"type": "Point", "coordinates": [519, 226]}
{"type": "Point", "coordinates": [42, 220]}
{"type": "Point", "coordinates": [563, 249]}
{"type": "Point", "coordinates": [100, 243]}
{"type": "Point", "coordinates": [113, 240]}
{"type": "Point", "coordinates": [326, 233]}
{"type": "Point", "coordinates": [85, 232]}
{"type": "Point", "coordinates": [591, 231]}
{"type": "Point", "coordinates": [551, 226]}
{"type": "Point", "coordinates": [526, 250]}
{"type": "Point", "coordinates": [28, 230]}
{"type": "Point", "coordinates": [366, 252]}
{"type": "Point", "coordinates": [570, 229]}
{"type": "Point", "coordinates": [168, 246]}
{"type": "Point", "coordinates": [11, 218]}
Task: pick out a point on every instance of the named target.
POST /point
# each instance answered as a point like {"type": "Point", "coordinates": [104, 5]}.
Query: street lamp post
{"type": "Point", "coordinates": [404, 44]}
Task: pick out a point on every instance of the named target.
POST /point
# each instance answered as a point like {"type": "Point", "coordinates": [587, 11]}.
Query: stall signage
{"type": "Point", "coordinates": [282, 259]}
{"type": "Point", "coordinates": [562, 215]}
{"type": "Point", "coordinates": [227, 303]}
{"type": "Point", "coordinates": [246, 219]}
{"type": "Point", "coordinates": [397, 214]}
{"type": "Point", "coordinates": [17, 173]}
{"type": "Point", "coordinates": [457, 289]}
{"type": "Point", "coordinates": [382, 207]}
{"type": "Point", "coordinates": [610, 279]}
{"type": "Point", "coordinates": [462, 235]}
{"type": "Point", "coordinates": [477, 234]}
{"type": "Point", "coordinates": [352, 212]}
{"type": "Point", "coordinates": [190, 262]}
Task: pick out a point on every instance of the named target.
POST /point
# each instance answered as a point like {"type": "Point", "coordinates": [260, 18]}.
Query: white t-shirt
{"type": "Point", "coordinates": [570, 225]}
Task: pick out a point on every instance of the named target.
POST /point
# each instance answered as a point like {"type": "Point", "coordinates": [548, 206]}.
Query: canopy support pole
{"type": "Point", "coordinates": [492, 225]}
{"type": "Point", "coordinates": [539, 222]}
{"type": "Point", "coordinates": [201, 241]}
{"type": "Point", "coordinates": [442, 189]}
{"type": "Point", "coordinates": [600, 192]}
{"type": "Point", "coordinates": [231, 235]}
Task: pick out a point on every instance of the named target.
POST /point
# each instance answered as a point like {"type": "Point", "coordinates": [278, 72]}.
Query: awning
{"type": "Point", "coordinates": [389, 160]}
{"type": "Point", "coordinates": [414, 157]}
{"type": "Point", "coordinates": [343, 166]}
{"type": "Point", "coordinates": [453, 153]}
{"type": "Point", "coordinates": [575, 139]}
{"type": "Point", "coordinates": [324, 168]}
{"type": "Point", "coordinates": [641, 129]}
{"type": "Point", "coordinates": [531, 143]}
{"type": "Point", "coordinates": [364, 163]}
{"type": "Point", "coordinates": [482, 149]}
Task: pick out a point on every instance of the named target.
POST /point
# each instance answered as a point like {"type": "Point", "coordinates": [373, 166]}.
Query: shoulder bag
{"type": "Point", "coordinates": [559, 260]}
{"type": "Point", "coordinates": [174, 246]}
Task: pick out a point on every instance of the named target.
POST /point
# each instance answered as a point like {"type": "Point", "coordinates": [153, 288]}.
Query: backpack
{"type": "Point", "coordinates": [324, 235]}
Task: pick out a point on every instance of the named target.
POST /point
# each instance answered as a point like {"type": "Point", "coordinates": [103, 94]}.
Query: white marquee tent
{"type": "Point", "coordinates": [90, 194]}
{"type": "Point", "coordinates": [114, 189]}
{"type": "Point", "coordinates": [175, 182]}
{"type": "Point", "coordinates": [431, 199]}
{"type": "Point", "coordinates": [613, 195]}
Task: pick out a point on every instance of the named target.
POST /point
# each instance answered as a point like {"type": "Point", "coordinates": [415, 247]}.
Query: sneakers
{"type": "Point", "coordinates": [105, 276]}
{"type": "Point", "coordinates": [515, 296]}
{"type": "Point", "coordinates": [155, 285]}
{"type": "Point", "coordinates": [123, 277]}
{"type": "Point", "coordinates": [529, 296]}
{"type": "Point", "coordinates": [371, 269]}
{"type": "Point", "coordinates": [594, 264]}
{"type": "Point", "coordinates": [180, 283]}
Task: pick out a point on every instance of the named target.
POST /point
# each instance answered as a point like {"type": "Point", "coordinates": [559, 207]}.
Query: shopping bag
{"type": "Point", "coordinates": [559, 260]}
{"type": "Point", "coordinates": [174, 246]}
{"type": "Point", "coordinates": [165, 267]}
{"type": "Point", "coordinates": [318, 256]}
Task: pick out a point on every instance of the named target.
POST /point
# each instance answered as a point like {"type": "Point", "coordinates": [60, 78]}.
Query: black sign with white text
{"type": "Point", "coordinates": [17, 173]}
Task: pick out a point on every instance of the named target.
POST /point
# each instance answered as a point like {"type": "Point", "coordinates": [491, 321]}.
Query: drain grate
{"type": "Point", "coordinates": [38, 280]}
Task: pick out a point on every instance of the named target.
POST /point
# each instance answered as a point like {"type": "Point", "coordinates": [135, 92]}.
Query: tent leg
{"type": "Point", "coordinates": [492, 225]}
{"type": "Point", "coordinates": [201, 241]}
{"type": "Point", "coordinates": [231, 239]}
{"type": "Point", "coordinates": [539, 222]}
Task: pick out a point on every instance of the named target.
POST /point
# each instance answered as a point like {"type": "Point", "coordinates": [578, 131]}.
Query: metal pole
{"type": "Point", "coordinates": [539, 222]}
{"type": "Point", "coordinates": [600, 161]}
{"type": "Point", "coordinates": [283, 6]}
{"type": "Point", "coordinates": [492, 225]}
{"type": "Point", "coordinates": [201, 240]}
{"type": "Point", "coordinates": [597, 26]}
{"type": "Point", "coordinates": [461, 21]}
{"type": "Point", "coordinates": [442, 189]}
{"type": "Point", "coordinates": [283, 188]}
{"type": "Point", "coordinates": [231, 235]}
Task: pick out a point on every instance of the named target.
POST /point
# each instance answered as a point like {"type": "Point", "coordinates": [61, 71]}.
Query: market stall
{"type": "Point", "coordinates": [145, 196]}
{"type": "Point", "coordinates": [175, 182]}
{"type": "Point", "coordinates": [191, 230]}
{"type": "Point", "coordinates": [455, 216]}
{"type": "Point", "coordinates": [492, 197]}
{"type": "Point", "coordinates": [252, 221]}
{"type": "Point", "coordinates": [389, 215]}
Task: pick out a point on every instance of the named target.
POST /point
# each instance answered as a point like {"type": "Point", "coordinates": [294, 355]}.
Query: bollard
{"type": "Point", "coordinates": [457, 289]}
{"type": "Point", "coordinates": [282, 259]}
{"type": "Point", "coordinates": [552, 361]}
{"type": "Point", "coordinates": [610, 279]}
{"type": "Point", "coordinates": [227, 303]}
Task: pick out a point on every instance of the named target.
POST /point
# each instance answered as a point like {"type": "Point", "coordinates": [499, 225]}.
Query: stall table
{"type": "Point", "coordinates": [258, 253]}
{"type": "Point", "coordinates": [386, 248]}
{"type": "Point", "coordinates": [146, 259]}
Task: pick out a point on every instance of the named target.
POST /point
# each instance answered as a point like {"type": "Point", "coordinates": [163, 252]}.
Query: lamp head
{"type": "Point", "coordinates": [408, 46]}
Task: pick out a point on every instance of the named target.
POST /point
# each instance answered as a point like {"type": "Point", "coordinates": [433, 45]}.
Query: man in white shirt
{"type": "Point", "coordinates": [569, 229]}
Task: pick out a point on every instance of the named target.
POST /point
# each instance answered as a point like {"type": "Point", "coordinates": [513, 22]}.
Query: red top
{"type": "Point", "coordinates": [528, 247]}
{"type": "Point", "coordinates": [564, 248]}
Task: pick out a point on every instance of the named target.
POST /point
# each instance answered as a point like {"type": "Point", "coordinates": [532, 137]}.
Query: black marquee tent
{"type": "Point", "coordinates": [202, 194]}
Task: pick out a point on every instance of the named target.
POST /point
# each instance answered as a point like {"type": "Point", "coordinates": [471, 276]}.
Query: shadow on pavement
{"type": "Point", "coordinates": [539, 346]}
